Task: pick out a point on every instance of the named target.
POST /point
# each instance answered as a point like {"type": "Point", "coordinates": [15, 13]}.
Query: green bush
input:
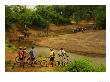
{"type": "Point", "coordinates": [100, 68]}
{"type": "Point", "coordinates": [8, 62]}
{"type": "Point", "coordinates": [101, 16]}
{"type": "Point", "coordinates": [10, 46]}
{"type": "Point", "coordinates": [83, 65]}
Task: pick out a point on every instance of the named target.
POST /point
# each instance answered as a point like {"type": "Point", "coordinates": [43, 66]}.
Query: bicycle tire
{"type": "Point", "coordinates": [44, 63]}
{"type": "Point", "coordinates": [28, 61]}
{"type": "Point", "coordinates": [57, 63]}
{"type": "Point", "coordinates": [17, 59]}
{"type": "Point", "coordinates": [37, 62]}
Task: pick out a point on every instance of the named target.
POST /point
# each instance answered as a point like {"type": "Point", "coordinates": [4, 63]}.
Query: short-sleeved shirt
{"type": "Point", "coordinates": [61, 52]}
{"type": "Point", "coordinates": [52, 54]}
{"type": "Point", "coordinates": [24, 53]}
{"type": "Point", "coordinates": [32, 53]}
{"type": "Point", "coordinates": [20, 53]}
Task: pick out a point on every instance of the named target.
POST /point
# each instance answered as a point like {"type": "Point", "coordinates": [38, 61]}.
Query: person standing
{"type": "Point", "coordinates": [61, 55]}
{"type": "Point", "coordinates": [52, 56]}
{"type": "Point", "coordinates": [20, 54]}
{"type": "Point", "coordinates": [24, 54]}
{"type": "Point", "coordinates": [32, 56]}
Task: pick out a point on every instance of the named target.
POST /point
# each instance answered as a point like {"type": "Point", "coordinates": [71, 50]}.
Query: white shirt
{"type": "Point", "coordinates": [61, 52]}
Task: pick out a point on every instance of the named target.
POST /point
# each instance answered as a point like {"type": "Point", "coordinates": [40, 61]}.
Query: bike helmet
{"type": "Point", "coordinates": [20, 47]}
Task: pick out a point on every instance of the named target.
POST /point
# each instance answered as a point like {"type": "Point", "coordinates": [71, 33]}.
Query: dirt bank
{"type": "Point", "coordinates": [88, 43]}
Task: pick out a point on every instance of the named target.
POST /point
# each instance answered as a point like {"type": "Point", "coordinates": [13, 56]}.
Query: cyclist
{"type": "Point", "coordinates": [52, 56]}
{"type": "Point", "coordinates": [32, 57]}
{"type": "Point", "coordinates": [62, 55]}
{"type": "Point", "coordinates": [20, 54]}
{"type": "Point", "coordinates": [24, 54]}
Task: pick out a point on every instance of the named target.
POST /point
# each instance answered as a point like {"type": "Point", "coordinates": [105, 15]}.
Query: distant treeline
{"type": "Point", "coordinates": [42, 15]}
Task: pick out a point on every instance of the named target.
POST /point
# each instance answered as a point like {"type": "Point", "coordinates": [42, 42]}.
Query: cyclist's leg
{"type": "Point", "coordinates": [20, 61]}
{"type": "Point", "coordinates": [60, 60]}
{"type": "Point", "coordinates": [28, 59]}
{"type": "Point", "coordinates": [32, 61]}
{"type": "Point", "coordinates": [24, 59]}
{"type": "Point", "coordinates": [52, 61]}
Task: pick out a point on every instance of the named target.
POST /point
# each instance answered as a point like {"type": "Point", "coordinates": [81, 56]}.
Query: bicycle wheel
{"type": "Point", "coordinates": [17, 59]}
{"type": "Point", "coordinates": [37, 62]}
{"type": "Point", "coordinates": [44, 63]}
{"type": "Point", "coordinates": [28, 61]}
{"type": "Point", "coordinates": [57, 63]}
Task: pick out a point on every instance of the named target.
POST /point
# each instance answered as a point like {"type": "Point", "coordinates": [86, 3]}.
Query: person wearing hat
{"type": "Point", "coordinates": [20, 54]}
{"type": "Point", "coordinates": [52, 56]}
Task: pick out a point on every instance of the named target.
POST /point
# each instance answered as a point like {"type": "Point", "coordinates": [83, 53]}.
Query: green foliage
{"type": "Point", "coordinates": [39, 21]}
{"type": "Point", "coordinates": [100, 68]}
{"type": "Point", "coordinates": [64, 10]}
{"type": "Point", "coordinates": [10, 46]}
{"type": "Point", "coordinates": [42, 15]}
{"type": "Point", "coordinates": [83, 65]}
{"type": "Point", "coordinates": [84, 12]}
{"type": "Point", "coordinates": [8, 62]}
{"type": "Point", "coordinates": [49, 15]}
{"type": "Point", "coordinates": [101, 16]}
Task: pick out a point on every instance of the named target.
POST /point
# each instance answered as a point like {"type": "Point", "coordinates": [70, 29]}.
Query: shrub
{"type": "Point", "coordinates": [10, 46]}
{"type": "Point", "coordinates": [101, 16]}
{"type": "Point", "coordinates": [8, 62]}
{"type": "Point", "coordinates": [82, 65]}
{"type": "Point", "coordinates": [100, 68]}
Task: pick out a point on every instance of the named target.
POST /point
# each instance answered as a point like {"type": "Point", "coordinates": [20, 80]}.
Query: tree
{"type": "Point", "coordinates": [57, 14]}
{"type": "Point", "coordinates": [100, 17]}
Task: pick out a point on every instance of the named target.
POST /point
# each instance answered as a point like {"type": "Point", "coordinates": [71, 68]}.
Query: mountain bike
{"type": "Point", "coordinates": [54, 63]}
{"type": "Point", "coordinates": [38, 61]}
{"type": "Point", "coordinates": [64, 60]}
{"type": "Point", "coordinates": [17, 61]}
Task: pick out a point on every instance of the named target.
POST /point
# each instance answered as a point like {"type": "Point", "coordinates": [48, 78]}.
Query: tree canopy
{"type": "Point", "coordinates": [42, 15]}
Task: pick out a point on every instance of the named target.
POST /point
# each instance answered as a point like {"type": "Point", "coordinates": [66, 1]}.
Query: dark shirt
{"type": "Point", "coordinates": [31, 53]}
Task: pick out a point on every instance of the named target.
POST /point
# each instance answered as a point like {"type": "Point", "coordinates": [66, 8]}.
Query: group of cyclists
{"type": "Point", "coordinates": [22, 53]}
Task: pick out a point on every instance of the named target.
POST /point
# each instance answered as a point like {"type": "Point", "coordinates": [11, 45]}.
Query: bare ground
{"type": "Point", "coordinates": [91, 43]}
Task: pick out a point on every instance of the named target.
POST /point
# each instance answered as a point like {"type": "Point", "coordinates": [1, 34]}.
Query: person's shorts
{"type": "Point", "coordinates": [24, 57]}
{"type": "Point", "coordinates": [61, 55]}
{"type": "Point", "coordinates": [33, 58]}
{"type": "Point", "coordinates": [51, 58]}
{"type": "Point", "coordinates": [21, 58]}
